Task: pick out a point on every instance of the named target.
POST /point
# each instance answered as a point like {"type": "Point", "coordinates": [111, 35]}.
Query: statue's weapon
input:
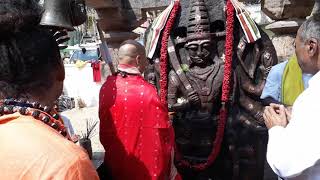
{"type": "Point", "coordinates": [177, 67]}
{"type": "Point", "coordinates": [105, 54]}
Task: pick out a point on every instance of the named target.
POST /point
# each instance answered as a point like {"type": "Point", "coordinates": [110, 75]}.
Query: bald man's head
{"type": "Point", "coordinates": [133, 53]}
{"type": "Point", "coordinates": [130, 49]}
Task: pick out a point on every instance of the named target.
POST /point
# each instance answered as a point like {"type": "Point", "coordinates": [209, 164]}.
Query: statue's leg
{"type": "Point", "coordinates": [251, 150]}
{"type": "Point", "coordinates": [260, 148]}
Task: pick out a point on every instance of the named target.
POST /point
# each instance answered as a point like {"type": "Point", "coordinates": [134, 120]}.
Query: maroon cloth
{"type": "Point", "coordinates": [96, 71]}
{"type": "Point", "coordinates": [134, 129]}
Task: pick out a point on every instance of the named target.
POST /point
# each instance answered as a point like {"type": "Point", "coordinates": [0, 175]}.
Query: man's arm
{"type": "Point", "coordinates": [272, 89]}
{"type": "Point", "coordinates": [269, 100]}
{"type": "Point", "coordinates": [293, 148]}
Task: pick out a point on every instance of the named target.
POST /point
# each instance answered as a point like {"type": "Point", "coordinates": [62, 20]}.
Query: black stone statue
{"type": "Point", "coordinates": [196, 49]}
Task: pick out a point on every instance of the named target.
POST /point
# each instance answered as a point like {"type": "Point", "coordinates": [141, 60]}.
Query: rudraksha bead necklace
{"type": "Point", "coordinates": [44, 114]}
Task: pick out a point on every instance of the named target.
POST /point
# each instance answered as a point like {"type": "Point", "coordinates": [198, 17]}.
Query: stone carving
{"type": "Point", "coordinates": [195, 78]}
{"type": "Point", "coordinates": [252, 72]}
{"type": "Point", "coordinates": [254, 63]}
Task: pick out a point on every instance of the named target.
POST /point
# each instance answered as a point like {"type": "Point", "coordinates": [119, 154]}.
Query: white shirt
{"type": "Point", "coordinates": [294, 151]}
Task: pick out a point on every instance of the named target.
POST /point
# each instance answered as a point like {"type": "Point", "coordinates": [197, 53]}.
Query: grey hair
{"type": "Point", "coordinates": [310, 28]}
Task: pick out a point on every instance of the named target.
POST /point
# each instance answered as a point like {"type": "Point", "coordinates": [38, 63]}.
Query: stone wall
{"type": "Point", "coordinates": [288, 15]}
{"type": "Point", "coordinates": [284, 46]}
{"type": "Point", "coordinates": [284, 9]}
{"type": "Point", "coordinates": [98, 4]}
{"type": "Point", "coordinates": [134, 8]}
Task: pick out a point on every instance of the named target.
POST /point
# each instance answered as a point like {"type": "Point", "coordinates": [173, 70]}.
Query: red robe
{"type": "Point", "coordinates": [134, 129]}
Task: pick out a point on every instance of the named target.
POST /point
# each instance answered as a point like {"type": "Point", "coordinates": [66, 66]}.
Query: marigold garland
{"type": "Point", "coordinates": [225, 85]}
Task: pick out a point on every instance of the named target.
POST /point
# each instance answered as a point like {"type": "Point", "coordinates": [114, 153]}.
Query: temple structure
{"type": "Point", "coordinates": [118, 18]}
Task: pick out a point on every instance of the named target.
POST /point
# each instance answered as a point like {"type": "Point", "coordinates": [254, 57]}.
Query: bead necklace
{"type": "Point", "coordinates": [44, 114]}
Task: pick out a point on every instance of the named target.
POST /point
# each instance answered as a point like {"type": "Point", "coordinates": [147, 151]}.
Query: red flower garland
{"type": "Point", "coordinates": [164, 53]}
{"type": "Point", "coordinates": [225, 85]}
{"type": "Point", "coordinates": [228, 53]}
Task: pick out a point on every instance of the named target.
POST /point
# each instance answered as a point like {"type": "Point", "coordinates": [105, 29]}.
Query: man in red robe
{"type": "Point", "coordinates": [134, 126]}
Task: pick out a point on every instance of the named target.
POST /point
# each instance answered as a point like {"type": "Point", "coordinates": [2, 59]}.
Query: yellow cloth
{"type": "Point", "coordinates": [80, 64]}
{"type": "Point", "coordinates": [292, 82]}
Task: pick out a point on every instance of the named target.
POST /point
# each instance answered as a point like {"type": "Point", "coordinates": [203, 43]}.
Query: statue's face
{"type": "Point", "coordinates": [199, 50]}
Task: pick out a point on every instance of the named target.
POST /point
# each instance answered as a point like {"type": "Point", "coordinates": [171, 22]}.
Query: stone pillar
{"type": "Point", "coordinates": [114, 23]}
{"type": "Point", "coordinates": [117, 18]}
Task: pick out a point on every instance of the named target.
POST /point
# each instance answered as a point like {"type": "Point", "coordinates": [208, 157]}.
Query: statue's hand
{"type": "Point", "coordinates": [177, 107]}
{"type": "Point", "coordinates": [266, 63]}
{"type": "Point", "coordinates": [194, 98]}
{"type": "Point", "coordinates": [252, 123]}
{"type": "Point", "coordinates": [264, 71]}
{"type": "Point", "coordinates": [151, 78]}
{"type": "Point", "coordinates": [259, 118]}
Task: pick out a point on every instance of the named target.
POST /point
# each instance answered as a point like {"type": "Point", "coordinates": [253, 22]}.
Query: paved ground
{"type": "Point", "coordinates": [78, 119]}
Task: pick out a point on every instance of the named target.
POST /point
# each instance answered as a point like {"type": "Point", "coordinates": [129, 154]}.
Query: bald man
{"type": "Point", "coordinates": [132, 53]}
{"type": "Point", "coordinates": [134, 125]}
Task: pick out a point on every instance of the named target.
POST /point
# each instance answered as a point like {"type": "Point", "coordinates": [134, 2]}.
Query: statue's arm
{"type": "Point", "coordinates": [254, 108]}
{"type": "Point", "coordinates": [263, 70]}
{"type": "Point", "coordinates": [268, 100]}
{"type": "Point", "coordinates": [173, 93]}
{"type": "Point", "coordinates": [266, 63]}
{"type": "Point", "coordinates": [251, 88]}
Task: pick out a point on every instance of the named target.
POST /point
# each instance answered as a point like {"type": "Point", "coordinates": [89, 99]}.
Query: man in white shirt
{"type": "Point", "coordinates": [294, 145]}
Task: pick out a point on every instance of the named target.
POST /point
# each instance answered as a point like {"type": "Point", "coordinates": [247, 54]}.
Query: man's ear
{"type": "Point", "coordinates": [138, 59]}
{"type": "Point", "coordinates": [313, 46]}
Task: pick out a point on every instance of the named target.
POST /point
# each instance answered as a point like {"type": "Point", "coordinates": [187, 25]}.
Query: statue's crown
{"type": "Point", "coordinates": [199, 24]}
